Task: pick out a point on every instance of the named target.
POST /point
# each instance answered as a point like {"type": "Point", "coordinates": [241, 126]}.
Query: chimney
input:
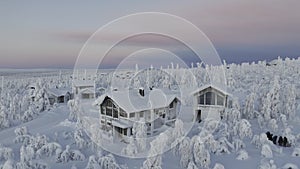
{"type": "Point", "coordinates": [142, 92]}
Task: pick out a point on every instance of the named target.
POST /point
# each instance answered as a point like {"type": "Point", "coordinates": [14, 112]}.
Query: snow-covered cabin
{"type": "Point", "coordinates": [120, 109]}
{"type": "Point", "coordinates": [209, 102]}
{"type": "Point", "coordinates": [85, 89]}
{"type": "Point", "coordinates": [55, 95]}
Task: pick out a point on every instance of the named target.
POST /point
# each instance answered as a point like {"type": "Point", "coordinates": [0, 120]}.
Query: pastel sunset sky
{"type": "Point", "coordinates": [50, 34]}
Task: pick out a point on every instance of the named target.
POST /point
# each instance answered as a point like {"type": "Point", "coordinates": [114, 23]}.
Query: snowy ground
{"type": "Point", "coordinates": [57, 128]}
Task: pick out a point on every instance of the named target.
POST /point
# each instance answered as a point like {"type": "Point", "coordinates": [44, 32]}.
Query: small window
{"type": "Point", "coordinates": [102, 110]}
{"type": "Point", "coordinates": [132, 115]}
{"type": "Point", "coordinates": [201, 99]}
{"type": "Point", "coordinates": [108, 112]}
{"type": "Point", "coordinates": [141, 114]}
{"type": "Point", "coordinates": [115, 113]}
{"type": "Point", "coordinates": [123, 113]}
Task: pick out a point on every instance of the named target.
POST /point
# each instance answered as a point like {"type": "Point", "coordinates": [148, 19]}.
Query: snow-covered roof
{"type": "Point", "coordinates": [122, 123]}
{"type": "Point", "coordinates": [80, 83]}
{"type": "Point", "coordinates": [131, 101]}
{"type": "Point", "coordinates": [87, 91]}
{"type": "Point", "coordinates": [58, 92]}
{"type": "Point", "coordinates": [222, 90]}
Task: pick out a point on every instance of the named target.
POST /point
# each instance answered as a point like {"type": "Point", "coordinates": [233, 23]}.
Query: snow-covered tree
{"type": "Point", "coordinates": [274, 98]}
{"type": "Point", "coordinates": [108, 162]}
{"type": "Point", "coordinates": [130, 149]}
{"type": "Point", "coordinates": [185, 152]}
{"type": "Point", "coordinates": [74, 109]}
{"type": "Point", "coordinates": [290, 105]}
{"type": "Point", "coordinates": [266, 151]}
{"type": "Point", "coordinates": [140, 133]}
{"type": "Point", "coordinates": [92, 163]}
{"type": "Point", "coordinates": [249, 106]}
{"type": "Point", "coordinates": [154, 160]}
{"type": "Point", "coordinates": [201, 154]}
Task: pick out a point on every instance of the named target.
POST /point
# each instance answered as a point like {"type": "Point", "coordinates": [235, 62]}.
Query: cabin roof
{"type": "Point", "coordinates": [131, 101]}
{"type": "Point", "coordinates": [87, 91]}
{"type": "Point", "coordinates": [202, 88]}
{"type": "Point", "coordinates": [80, 83]}
{"type": "Point", "coordinates": [58, 92]}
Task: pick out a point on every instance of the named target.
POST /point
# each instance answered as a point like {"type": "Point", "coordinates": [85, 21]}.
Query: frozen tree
{"type": "Point", "coordinates": [244, 129]}
{"type": "Point", "coordinates": [108, 162]}
{"type": "Point", "coordinates": [266, 151]}
{"type": "Point", "coordinates": [5, 153]}
{"type": "Point", "coordinates": [218, 166]}
{"type": "Point", "coordinates": [178, 131]}
{"type": "Point", "coordinates": [266, 109]}
{"type": "Point", "coordinates": [30, 114]}
{"type": "Point", "coordinates": [130, 149]}
{"type": "Point", "coordinates": [154, 160]}
{"type": "Point", "coordinates": [9, 164]}
{"type": "Point", "coordinates": [74, 109]}
{"type": "Point", "coordinates": [290, 105]}
{"type": "Point", "coordinates": [93, 163]}
{"type": "Point", "coordinates": [79, 139]}
{"type": "Point", "coordinates": [185, 152]}
{"type": "Point", "coordinates": [4, 117]}
{"type": "Point", "coordinates": [249, 106]}
{"type": "Point", "coordinates": [264, 164]}
{"type": "Point", "coordinates": [201, 155]}
{"type": "Point", "coordinates": [69, 155]}
{"type": "Point", "coordinates": [274, 98]}
{"type": "Point", "coordinates": [48, 149]}
{"type": "Point", "coordinates": [192, 165]}
{"type": "Point", "coordinates": [140, 132]}
{"type": "Point", "coordinates": [273, 125]}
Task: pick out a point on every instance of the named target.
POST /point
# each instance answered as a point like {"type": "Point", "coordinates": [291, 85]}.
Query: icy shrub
{"type": "Point", "coordinates": [69, 155]}
{"type": "Point", "coordinates": [266, 151]}
{"type": "Point", "coordinates": [242, 155]}
{"type": "Point", "coordinates": [218, 166]}
{"type": "Point", "coordinates": [130, 149]}
{"type": "Point", "coordinates": [267, 165]}
{"type": "Point", "coordinates": [5, 153]}
{"type": "Point", "coordinates": [93, 163]}
{"type": "Point", "coordinates": [108, 162]}
{"type": "Point", "coordinates": [48, 149]}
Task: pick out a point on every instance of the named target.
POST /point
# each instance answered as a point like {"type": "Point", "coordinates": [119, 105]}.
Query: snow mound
{"type": "Point", "coordinates": [290, 166]}
{"type": "Point", "coordinates": [242, 155]}
{"type": "Point", "coordinates": [296, 152]}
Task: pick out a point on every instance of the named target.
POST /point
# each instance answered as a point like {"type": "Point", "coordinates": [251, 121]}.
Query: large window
{"type": "Point", "coordinates": [210, 98]}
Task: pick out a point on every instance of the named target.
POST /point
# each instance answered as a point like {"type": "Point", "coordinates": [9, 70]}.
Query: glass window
{"type": "Point", "coordinates": [220, 100]}
{"type": "Point", "coordinates": [210, 98]}
{"type": "Point", "coordinates": [132, 115]}
{"type": "Point", "coordinates": [123, 113]}
{"type": "Point", "coordinates": [201, 99]}
{"type": "Point", "coordinates": [141, 114]}
{"type": "Point", "coordinates": [102, 110]}
{"type": "Point", "coordinates": [108, 111]}
{"type": "Point", "coordinates": [115, 113]}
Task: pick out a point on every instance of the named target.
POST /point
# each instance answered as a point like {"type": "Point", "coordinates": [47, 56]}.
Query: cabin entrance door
{"type": "Point", "coordinates": [198, 117]}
